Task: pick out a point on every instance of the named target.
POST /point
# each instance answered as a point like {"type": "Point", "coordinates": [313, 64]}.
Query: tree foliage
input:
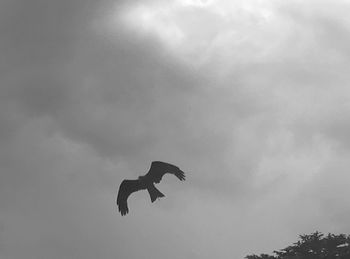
{"type": "Point", "coordinates": [313, 246]}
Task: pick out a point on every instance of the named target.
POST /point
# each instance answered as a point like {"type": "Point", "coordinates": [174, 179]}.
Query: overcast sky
{"type": "Point", "coordinates": [250, 98]}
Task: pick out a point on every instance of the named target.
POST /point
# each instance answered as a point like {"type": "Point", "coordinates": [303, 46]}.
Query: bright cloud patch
{"type": "Point", "coordinates": [197, 30]}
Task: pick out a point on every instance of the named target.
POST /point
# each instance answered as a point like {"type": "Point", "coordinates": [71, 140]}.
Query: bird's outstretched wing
{"type": "Point", "coordinates": [158, 169]}
{"type": "Point", "coordinates": [126, 188]}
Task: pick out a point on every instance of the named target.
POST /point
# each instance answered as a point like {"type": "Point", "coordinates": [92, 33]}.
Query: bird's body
{"type": "Point", "coordinates": [154, 175]}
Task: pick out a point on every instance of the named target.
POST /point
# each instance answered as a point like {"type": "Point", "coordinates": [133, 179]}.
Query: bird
{"type": "Point", "coordinates": [154, 175]}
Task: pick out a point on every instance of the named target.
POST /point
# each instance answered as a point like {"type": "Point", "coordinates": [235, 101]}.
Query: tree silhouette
{"type": "Point", "coordinates": [313, 246]}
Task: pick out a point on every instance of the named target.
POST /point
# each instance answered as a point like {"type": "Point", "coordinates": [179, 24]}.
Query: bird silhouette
{"type": "Point", "coordinates": [154, 175]}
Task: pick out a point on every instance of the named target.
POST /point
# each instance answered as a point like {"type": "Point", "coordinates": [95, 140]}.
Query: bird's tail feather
{"type": "Point", "coordinates": [154, 193]}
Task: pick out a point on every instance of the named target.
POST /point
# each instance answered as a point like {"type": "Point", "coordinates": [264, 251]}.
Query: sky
{"type": "Point", "coordinates": [250, 98]}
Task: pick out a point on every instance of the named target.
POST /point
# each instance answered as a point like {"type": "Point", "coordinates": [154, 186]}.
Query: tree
{"type": "Point", "coordinates": [313, 246]}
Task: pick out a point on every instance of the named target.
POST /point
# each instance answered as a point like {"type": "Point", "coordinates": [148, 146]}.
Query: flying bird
{"type": "Point", "coordinates": [154, 175]}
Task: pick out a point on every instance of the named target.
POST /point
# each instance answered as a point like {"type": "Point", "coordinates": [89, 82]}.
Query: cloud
{"type": "Point", "coordinates": [250, 99]}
